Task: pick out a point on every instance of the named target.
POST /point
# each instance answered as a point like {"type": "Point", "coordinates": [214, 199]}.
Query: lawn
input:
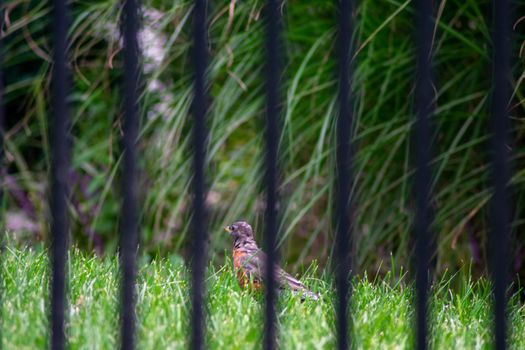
{"type": "Point", "coordinates": [380, 308]}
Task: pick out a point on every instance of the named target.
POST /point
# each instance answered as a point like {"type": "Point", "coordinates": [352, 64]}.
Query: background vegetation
{"type": "Point", "coordinates": [383, 96]}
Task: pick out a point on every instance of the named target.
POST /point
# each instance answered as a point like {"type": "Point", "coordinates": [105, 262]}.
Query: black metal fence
{"type": "Point", "coordinates": [422, 141]}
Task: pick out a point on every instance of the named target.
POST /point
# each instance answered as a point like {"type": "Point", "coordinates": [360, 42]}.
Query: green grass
{"type": "Point", "coordinates": [381, 309]}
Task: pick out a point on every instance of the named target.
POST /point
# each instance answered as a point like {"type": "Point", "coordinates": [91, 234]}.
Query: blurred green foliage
{"type": "Point", "coordinates": [383, 90]}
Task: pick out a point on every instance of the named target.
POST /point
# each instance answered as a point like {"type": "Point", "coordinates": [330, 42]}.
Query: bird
{"type": "Point", "coordinates": [249, 263]}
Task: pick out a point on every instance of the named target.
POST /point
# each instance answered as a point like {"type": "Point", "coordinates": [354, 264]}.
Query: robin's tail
{"type": "Point", "coordinates": [306, 294]}
{"type": "Point", "coordinates": [299, 289]}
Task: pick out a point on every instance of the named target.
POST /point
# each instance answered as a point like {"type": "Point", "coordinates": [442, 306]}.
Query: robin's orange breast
{"type": "Point", "coordinates": [245, 280]}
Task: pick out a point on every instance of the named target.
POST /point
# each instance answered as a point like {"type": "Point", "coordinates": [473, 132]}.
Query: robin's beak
{"type": "Point", "coordinates": [227, 229]}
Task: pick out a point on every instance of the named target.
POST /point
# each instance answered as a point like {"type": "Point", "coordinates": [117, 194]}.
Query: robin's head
{"type": "Point", "coordinates": [240, 231]}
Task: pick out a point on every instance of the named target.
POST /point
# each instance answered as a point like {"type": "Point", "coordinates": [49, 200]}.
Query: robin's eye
{"type": "Point", "coordinates": [232, 228]}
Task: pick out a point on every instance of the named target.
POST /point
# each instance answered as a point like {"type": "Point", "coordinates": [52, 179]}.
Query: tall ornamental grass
{"type": "Point", "coordinates": [383, 93]}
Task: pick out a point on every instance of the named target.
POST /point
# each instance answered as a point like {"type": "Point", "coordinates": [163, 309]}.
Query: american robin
{"type": "Point", "coordinates": [249, 263]}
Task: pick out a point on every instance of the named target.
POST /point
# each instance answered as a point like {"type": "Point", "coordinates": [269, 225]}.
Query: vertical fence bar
{"type": "Point", "coordinates": [500, 215]}
{"type": "Point", "coordinates": [272, 135]}
{"type": "Point", "coordinates": [129, 225]}
{"type": "Point", "coordinates": [344, 159]}
{"type": "Point", "coordinates": [199, 217]}
{"type": "Point", "coordinates": [3, 170]}
{"type": "Point", "coordinates": [3, 166]}
{"type": "Point", "coordinates": [422, 148]}
{"type": "Point", "coordinates": [59, 172]}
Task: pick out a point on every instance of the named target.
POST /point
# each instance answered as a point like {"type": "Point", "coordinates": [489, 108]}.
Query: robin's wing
{"type": "Point", "coordinates": [254, 265]}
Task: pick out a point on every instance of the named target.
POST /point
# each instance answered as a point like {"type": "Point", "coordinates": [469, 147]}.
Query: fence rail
{"type": "Point", "coordinates": [422, 142]}
{"type": "Point", "coordinates": [272, 17]}
{"type": "Point", "coordinates": [129, 226]}
{"type": "Point", "coordinates": [60, 165]}
{"type": "Point", "coordinates": [500, 220]}
{"type": "Point", "coordinates": [421, 147]}
{"type": "Point", "coordinates": [344, 180]}
{"type": "Point", "coordinates": [199, 110]}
